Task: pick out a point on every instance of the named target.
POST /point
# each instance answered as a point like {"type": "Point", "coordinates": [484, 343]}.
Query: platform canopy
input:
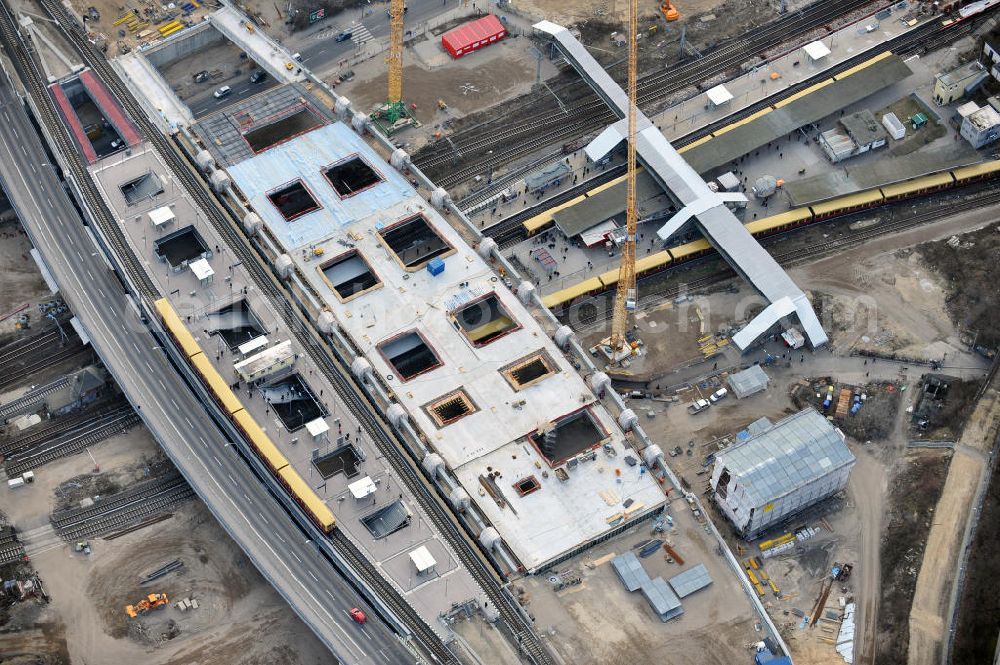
{"type": "Point", "coordinates": [317, 428]}
{"type": "Point", "coordinates": [161, 216]}
{"type": "Point", "coordinates": [362, 488]}
{"type": "Point", "coordinates": [719, 95]}
{"type": "Point", "coordinates": [201, 269]}
{"type": "Point", "coordinates": [816, 50]}
{"type": "Point", "coordinates": [423, 560]}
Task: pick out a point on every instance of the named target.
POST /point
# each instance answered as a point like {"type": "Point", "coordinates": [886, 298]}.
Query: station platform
{"type": "Point", "coordinates": [695, 200]}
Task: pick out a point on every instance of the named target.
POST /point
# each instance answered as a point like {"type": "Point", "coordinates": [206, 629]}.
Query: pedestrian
{"type": "Point", "coordinates": [802, 359]}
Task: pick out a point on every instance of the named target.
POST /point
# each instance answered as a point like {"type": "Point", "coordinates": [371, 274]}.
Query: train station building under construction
{"type": "Point", "coordinates": [498, 403]}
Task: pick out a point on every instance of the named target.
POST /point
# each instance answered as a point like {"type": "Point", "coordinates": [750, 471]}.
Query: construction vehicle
{"type": "Point", "coordinates": [150, 602]}
{"type": "Point", "coordinates": [841, 572]}
{"type": "Point", "coordinates": [393, 112]}
{"type": "Point", "coordinates": [669, 11]}
{"type": "Point", "coordinates": [626, 297]}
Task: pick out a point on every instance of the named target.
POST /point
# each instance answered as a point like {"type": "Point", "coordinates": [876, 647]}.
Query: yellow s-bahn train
{"type": "Point", "coordinates": [762, 228]}
{"type": "Point", "coordinates": [261, 443]}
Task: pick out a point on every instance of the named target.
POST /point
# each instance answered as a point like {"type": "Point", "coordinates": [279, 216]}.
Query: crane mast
{"type": "Point", "coordinates": [394, 109]}
{"type": "Point", "coordinates": [625, 295]}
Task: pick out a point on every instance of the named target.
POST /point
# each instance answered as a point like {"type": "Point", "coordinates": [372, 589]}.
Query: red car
{"type": "Point", "coordinates": [358, 615]}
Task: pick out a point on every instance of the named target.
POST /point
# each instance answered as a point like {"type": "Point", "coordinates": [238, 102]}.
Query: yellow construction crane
{"type": "Point", "coordinates": [395, 108]}
{"type": "Point", "coordinates": [626, 296]}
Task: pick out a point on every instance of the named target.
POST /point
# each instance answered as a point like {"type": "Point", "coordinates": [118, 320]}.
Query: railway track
{"type": "Point", "coordinates": [497, 142]}
{"type": "Point", "coordinates": [19, 51]}
{"type": "Point", "coordinates": [10, 548]}
{"type": "Point", "coordinates": [36, 364]}
{"type": "Point", "coordinates": [306, 335]}
{"type": "Point", "coordinates": [121, 510]}
{"type": "Point", "coordinates": [595, 311]}
{"type": "Point", "coordinates": [72, 441]}
{"type": "Point", "coordinates": [510, 231]}
{"type": "Point", "coordinates": [53, 428]}
{"type": "Point", "coordinates": [31, 398]}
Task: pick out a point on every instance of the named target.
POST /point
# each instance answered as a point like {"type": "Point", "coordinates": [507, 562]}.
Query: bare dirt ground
{"type": "Point", "coordinates": [22, 283]}
{"type": "Point", "coordinates": [599, 622]}
{"type": "Point", "coordinates": [88, 594]}
{"type": "Point", "coordinates": [931, 599]}
{"type": "Point", "coordinates": [476, 81]}
{"type": "Point", "coordinates": [917, 481]}
{"type": "Point", "coordinates": [889, 299]}
{"type": "Point", "coordinates": [978, 616]}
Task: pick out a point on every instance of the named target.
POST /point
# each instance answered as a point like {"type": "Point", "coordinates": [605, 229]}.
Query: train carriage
{"type": "Point", "coordinates": [847, 204]}
{"type": "Point", "coordinates": [185, 340]}
{"type": "Point", "coordinates": [918, 186]}
{"type": "Point", "coordinates": [571, 293]}
{"type": "Point", "coordinates": [976, 172]}
{"type": "Point", "coordinates": [781, 222]}
{"type": "Point", "coordinates": [216, 385]}
{"type": "Point", "coordinates": [260, 442]}
{"type": "Point", "coordinates": [308, 499]}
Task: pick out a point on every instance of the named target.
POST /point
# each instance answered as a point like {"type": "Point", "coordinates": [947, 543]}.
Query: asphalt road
{"type": "Point", "coordinates": [205, 103]}
{"type": "Point", "coordinates": [251, 515]}
{"type": "Point", "coordinates": [321, 50]}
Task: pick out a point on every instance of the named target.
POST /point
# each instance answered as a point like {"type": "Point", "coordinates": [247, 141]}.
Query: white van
{"type": "Point", "coordinates": [223, 92]}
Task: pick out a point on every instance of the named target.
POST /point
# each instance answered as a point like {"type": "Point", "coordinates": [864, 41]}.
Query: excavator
{"type": "Point", "coordinates": [150, 602]}
{"type": "Point", "coordinates": [669, 11]}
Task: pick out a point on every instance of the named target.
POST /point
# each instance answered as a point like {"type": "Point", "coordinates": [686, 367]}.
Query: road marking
{"type": "Point", "coordinates": [232, 480]}
{"type": "Point", "coordinates": [263, 518]}
{"type": "Point", "coordinates": [188, 421]}
{"type": "Point", "coordinates": [296, 556]}
{"type": "Point", "coordinates": [175, 404]}
{"type": "Point", "coordinates": [281, 539]}
{"type": "Point", "coordinates": [203, 442]}
{"type": "Point", "coordinates": [315, 579]}
{"type": "Point", "coordinates": [384, 657]}
{"type": "Point", "coordinates": [216, 460]}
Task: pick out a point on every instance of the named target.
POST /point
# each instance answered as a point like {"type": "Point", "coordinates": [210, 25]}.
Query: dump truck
{"type": "Point", "coordinates": [150, 602]}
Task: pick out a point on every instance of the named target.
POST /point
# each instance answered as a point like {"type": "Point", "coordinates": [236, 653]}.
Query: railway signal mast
{"type": "Point", "coordinates": [626, 296]}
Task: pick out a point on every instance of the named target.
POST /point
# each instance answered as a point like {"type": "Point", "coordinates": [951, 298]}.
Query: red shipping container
{"type": "Point", "coordinates": [473, 35]}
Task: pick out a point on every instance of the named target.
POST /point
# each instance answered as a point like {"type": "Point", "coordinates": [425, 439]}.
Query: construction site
{"type": "Point", "coordinates": [467, 332]}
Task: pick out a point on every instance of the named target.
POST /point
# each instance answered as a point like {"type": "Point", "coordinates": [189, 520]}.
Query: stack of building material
{"type": "Point", "coordinates": [845, 640]}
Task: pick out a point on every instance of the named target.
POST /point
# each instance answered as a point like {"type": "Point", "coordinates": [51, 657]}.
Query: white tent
{"type": "Point", "coordinates": [816, 50]}
{"type": "Point", "coordinates": [719, 95]}
{"type": "Point", "coordinates": [161, 216]}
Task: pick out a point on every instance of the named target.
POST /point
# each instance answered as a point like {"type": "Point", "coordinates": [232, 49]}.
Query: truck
{"type": "Point", "coordinates": [698, 406]}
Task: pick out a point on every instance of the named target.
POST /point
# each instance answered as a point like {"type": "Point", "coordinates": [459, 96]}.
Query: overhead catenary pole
{"type": "Point", "coordinates": [625, 296]}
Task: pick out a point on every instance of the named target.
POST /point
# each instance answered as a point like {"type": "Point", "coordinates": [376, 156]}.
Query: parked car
{"type": "Point", "coordinates": [223, 92]}
{"type": "Point", "coordinates": [358, 615]}
{"type": "Point", "coordinates": [201, 77]}
{"type": "Point", "coordinates": [718, 394]}
{"type": "Point", "coordinates": [257, 76]}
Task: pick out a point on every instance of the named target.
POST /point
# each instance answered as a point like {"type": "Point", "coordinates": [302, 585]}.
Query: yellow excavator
{"type": "Point", "coordinates": [150, 602]}
{"type": "Point", "coordinates": [669, 11]}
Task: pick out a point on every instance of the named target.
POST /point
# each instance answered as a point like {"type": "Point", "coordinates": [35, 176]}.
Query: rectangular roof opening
{"type": "Point", "coordinates": [414, 242]}
{"type": "Point", "coordinates": [262, 137]}
{"type": "Point", "coordinates": [349, 275]}
{"type": "Point", "coordinates": [388, 520]}
{"type": "Point", "coordinates": [569, 436]}
{"type": "Point", "coordinates": [351, 176]}
{"type": "Point", "coordinates": [143, 188]}
{"type": "Point", "coordinates": [526, 486]}
{"type": "Point", "coordinates": [293, 200]}
{"type": "Point", "coordinates": [526, 372]}
{"type": "Point", "coordinates": [409, 355]}
{"type": "Point", "coordinates": [446, 410]}
{"type": "Point", "coordinates": [483, 320]}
